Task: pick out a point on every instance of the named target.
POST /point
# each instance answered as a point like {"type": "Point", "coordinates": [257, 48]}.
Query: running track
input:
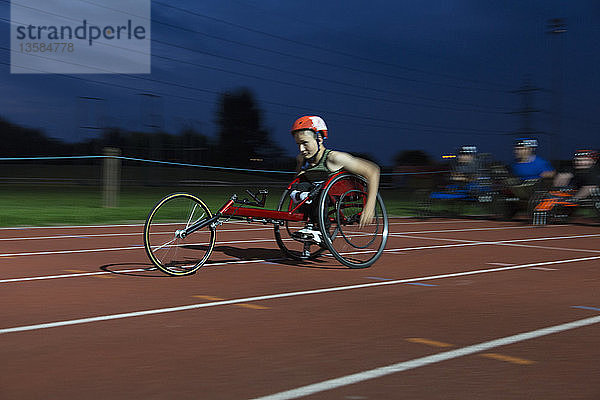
{"type": "Point", "coordinates": [454, 309]}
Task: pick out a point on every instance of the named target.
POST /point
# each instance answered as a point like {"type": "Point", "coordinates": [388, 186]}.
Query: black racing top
{"type": "Point", "coordinates": [318, 172]}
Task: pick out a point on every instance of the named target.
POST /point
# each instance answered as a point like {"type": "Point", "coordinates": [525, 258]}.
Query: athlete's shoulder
{"type": "Point", "coordinates": [338, 156]}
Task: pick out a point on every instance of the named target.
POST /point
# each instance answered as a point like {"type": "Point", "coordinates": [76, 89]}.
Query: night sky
{"type": "Point", "coordinates": [386, 76]}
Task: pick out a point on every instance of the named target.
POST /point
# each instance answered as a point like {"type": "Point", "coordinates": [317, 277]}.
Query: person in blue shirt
{"type": "Point", "coordinates": [530, 174]}
{"type": "Point", "coordinates": [529, 166]}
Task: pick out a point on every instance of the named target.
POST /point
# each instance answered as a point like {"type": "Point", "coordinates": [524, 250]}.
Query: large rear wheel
{"type": "Point", "coordinates": [340, 208]}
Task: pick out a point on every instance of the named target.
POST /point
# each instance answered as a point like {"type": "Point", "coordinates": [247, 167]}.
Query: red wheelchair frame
{"type": "Point", "coordinates": [554, 206]}
{"type": "Point", "coordinates": [339, 202]}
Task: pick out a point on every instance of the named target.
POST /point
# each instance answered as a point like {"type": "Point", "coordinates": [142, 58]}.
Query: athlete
{"type": "Point", "coordinates": [315, 164]}
{"type": "Point", "coordinates": [529, 166]}
{"type": "Point", "coordinates": [584, 176]}
{"type": "Point", "coordinates": [466, 168]}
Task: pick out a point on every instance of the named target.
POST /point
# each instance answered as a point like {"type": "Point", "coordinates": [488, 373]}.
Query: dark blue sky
{"type": "Point", "coordinates": [385, 76]}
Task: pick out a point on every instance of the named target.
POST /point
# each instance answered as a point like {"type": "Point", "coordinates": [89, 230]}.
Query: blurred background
{"type": "Point", "coordinates": [398, 83]}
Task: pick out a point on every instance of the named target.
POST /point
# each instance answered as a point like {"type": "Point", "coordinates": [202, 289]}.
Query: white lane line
{"type": "Point", "coordinates": [470, 243]}
{"type": "Point", "coordinates": [86, 236]}
{"type": "Point", "coordinates": [280, 295]}
{"type": "Point", "coordinates": [22, 228]}
{"type": "Point", "coordinates": [516, 242]}
{"type": "Point", "coordinates": [46, 253]}
{"type": "Point", "coordinates": [473, 229]}
{"type": "Point", "coordinates": [466, 243]}
{"type": "Point", "coordinates": [500, 264]}
{"type": "Point", "coordinates": [123, 271]}
{"type": "Point", "coordinates": [531, 246]}
{"type": "Point", "coordinates": [266, 228]}
{"type": "Point", "coordinates": [427, 360]}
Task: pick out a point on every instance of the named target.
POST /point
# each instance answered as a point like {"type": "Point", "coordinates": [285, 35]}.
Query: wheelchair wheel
{"type": "Point", "coordinates": [595, 202]}
{"type": "Point", "coordinates": [340, 207]}
{"type": "Point", "coordinates": [501, 209]}
{"type": "Point", "coordinates": [167, 249]}
{"type": "Point", "coordinates": [559, 214]}
{"type": "Point", "coordinates": [293, 248]}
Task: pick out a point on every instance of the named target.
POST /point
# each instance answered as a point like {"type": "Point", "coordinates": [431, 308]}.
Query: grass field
{"type": "Point", "coordinates": [25, 205]}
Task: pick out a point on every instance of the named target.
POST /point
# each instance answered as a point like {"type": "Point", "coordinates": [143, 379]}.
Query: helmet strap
{"type": "Point", "coordinates": [313, 158]}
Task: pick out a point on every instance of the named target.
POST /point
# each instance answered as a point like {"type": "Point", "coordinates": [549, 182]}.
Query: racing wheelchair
{"type": "Point", "coordinates": [180, 231]}
{"type": "Point", "coordinates": [557, 206]}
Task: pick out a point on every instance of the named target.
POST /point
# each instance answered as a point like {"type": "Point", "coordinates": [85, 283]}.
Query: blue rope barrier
{"type": "Point", "coordinates": [189, 165]}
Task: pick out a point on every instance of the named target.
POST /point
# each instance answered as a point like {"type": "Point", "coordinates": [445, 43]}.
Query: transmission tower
{"type": "Point", "coordinates": [526, 91]}
{"type": "Point", "coordinates": [556, 28]}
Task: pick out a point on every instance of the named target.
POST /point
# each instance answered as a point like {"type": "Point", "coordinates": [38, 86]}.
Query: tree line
{"type": "Point", "coordinates": [242, 141]}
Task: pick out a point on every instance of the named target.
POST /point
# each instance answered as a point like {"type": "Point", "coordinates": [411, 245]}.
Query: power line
{"type": "Point", "coordinates": [280, 81]}
{"type": "Point", "coordinates": [433, 128]}
{"type": "Point", "coordinates": [317, 77]}
{"type": "Point", "coordinates": [256, 7]}
{"type": "Point", "coordinates": [327, 49]}
{"type": "Point", "coordinates": [296, 56]}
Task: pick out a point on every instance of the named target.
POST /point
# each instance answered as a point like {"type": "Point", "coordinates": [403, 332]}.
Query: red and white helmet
{"type": "Point", "coordinates": [312, 122]}
{"type": "Point", "coordinates": [593, 154]}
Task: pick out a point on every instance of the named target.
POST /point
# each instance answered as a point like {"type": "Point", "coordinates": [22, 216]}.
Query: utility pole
{"type": "Point", "coordinates": [556, 28]}
{"type": "Point", "coordinates": [527, 110]}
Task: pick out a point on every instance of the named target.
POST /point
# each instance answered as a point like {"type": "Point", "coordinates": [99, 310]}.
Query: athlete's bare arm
{"type": "Point", "coordinates": [364, 168]}
{"type": "Point", "coordinates": [548, 174]}
{"type": "Point", "coordinates": [562, 179]}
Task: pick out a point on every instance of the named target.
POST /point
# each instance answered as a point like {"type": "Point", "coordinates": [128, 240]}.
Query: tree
{"type": "Point", "coordinates": [241, 136]}
{"type": "Point", "coordinates": [412, 158]}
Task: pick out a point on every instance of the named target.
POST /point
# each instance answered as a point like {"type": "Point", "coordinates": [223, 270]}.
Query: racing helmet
{"type": "Point", "coordinates": [311, 122]}
{"type": "Point", "coordinates": [468, 149]}
{"type": "Point", "coordinates": [593, 154]}
{"type": "Point", "coordinates": [529, 143]}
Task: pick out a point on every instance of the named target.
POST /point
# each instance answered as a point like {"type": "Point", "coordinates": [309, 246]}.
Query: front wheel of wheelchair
{"type": "Point", "coordinates": [292, 247]}
{"type": "Point", "coordinates": [501, 209]}
{"type": "Point", "coordinates": [171, 251]}
{"type": "Point", "coordinates": [340, 207]}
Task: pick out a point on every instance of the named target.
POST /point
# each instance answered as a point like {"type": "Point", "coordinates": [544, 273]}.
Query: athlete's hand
{"type": "Point", "coordinates": [367, 216]}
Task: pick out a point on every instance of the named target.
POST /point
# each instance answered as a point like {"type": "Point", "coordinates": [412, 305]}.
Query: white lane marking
{"type": "Point", "coordinates": [473, 229]}
{"type": "Point", "coordinates": [500, 264]}
{"type": "Point", "coordinates": [427, 360]}
{"type": "Point", "coordinates": [280, 295]}
{"type": "Point", "coordinates": [531, 246]}
{"type": "Point", "coordinates": [266, 228]}
{"type": "Point", "coordinates": [229, 222]}
{"type": "Point", "coordinates": [123, 271]}
{"type": "Point", "coordinates": [24, 228]}
{"type": "Point", "coordinates": [544, 269]}
{"type": "Point", "coordinates": [516, 242]}
{"type": "Point", "coordinates": [85, 236]}
{"type": "Point", "coordinates": [465, 243]}
{"type": "Point", "coordinates": [470, 243]}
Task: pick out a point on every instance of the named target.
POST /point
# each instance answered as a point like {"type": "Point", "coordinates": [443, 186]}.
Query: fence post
{"type": "Point", "coordinates": [111, 172]}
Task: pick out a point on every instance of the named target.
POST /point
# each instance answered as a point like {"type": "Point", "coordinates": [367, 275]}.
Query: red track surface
{"type": "Point", "coordinates": [259, 347]}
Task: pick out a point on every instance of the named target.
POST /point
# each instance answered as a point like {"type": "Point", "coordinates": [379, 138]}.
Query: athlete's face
{"type": "Point", "coordinates": [465, 158]}
{"type": "Point", "coordinates": [583, 162]}
{"type": "Point", "coordinates": [307, 143]}
{"type": "Point", "coordinates": [522, 153]}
